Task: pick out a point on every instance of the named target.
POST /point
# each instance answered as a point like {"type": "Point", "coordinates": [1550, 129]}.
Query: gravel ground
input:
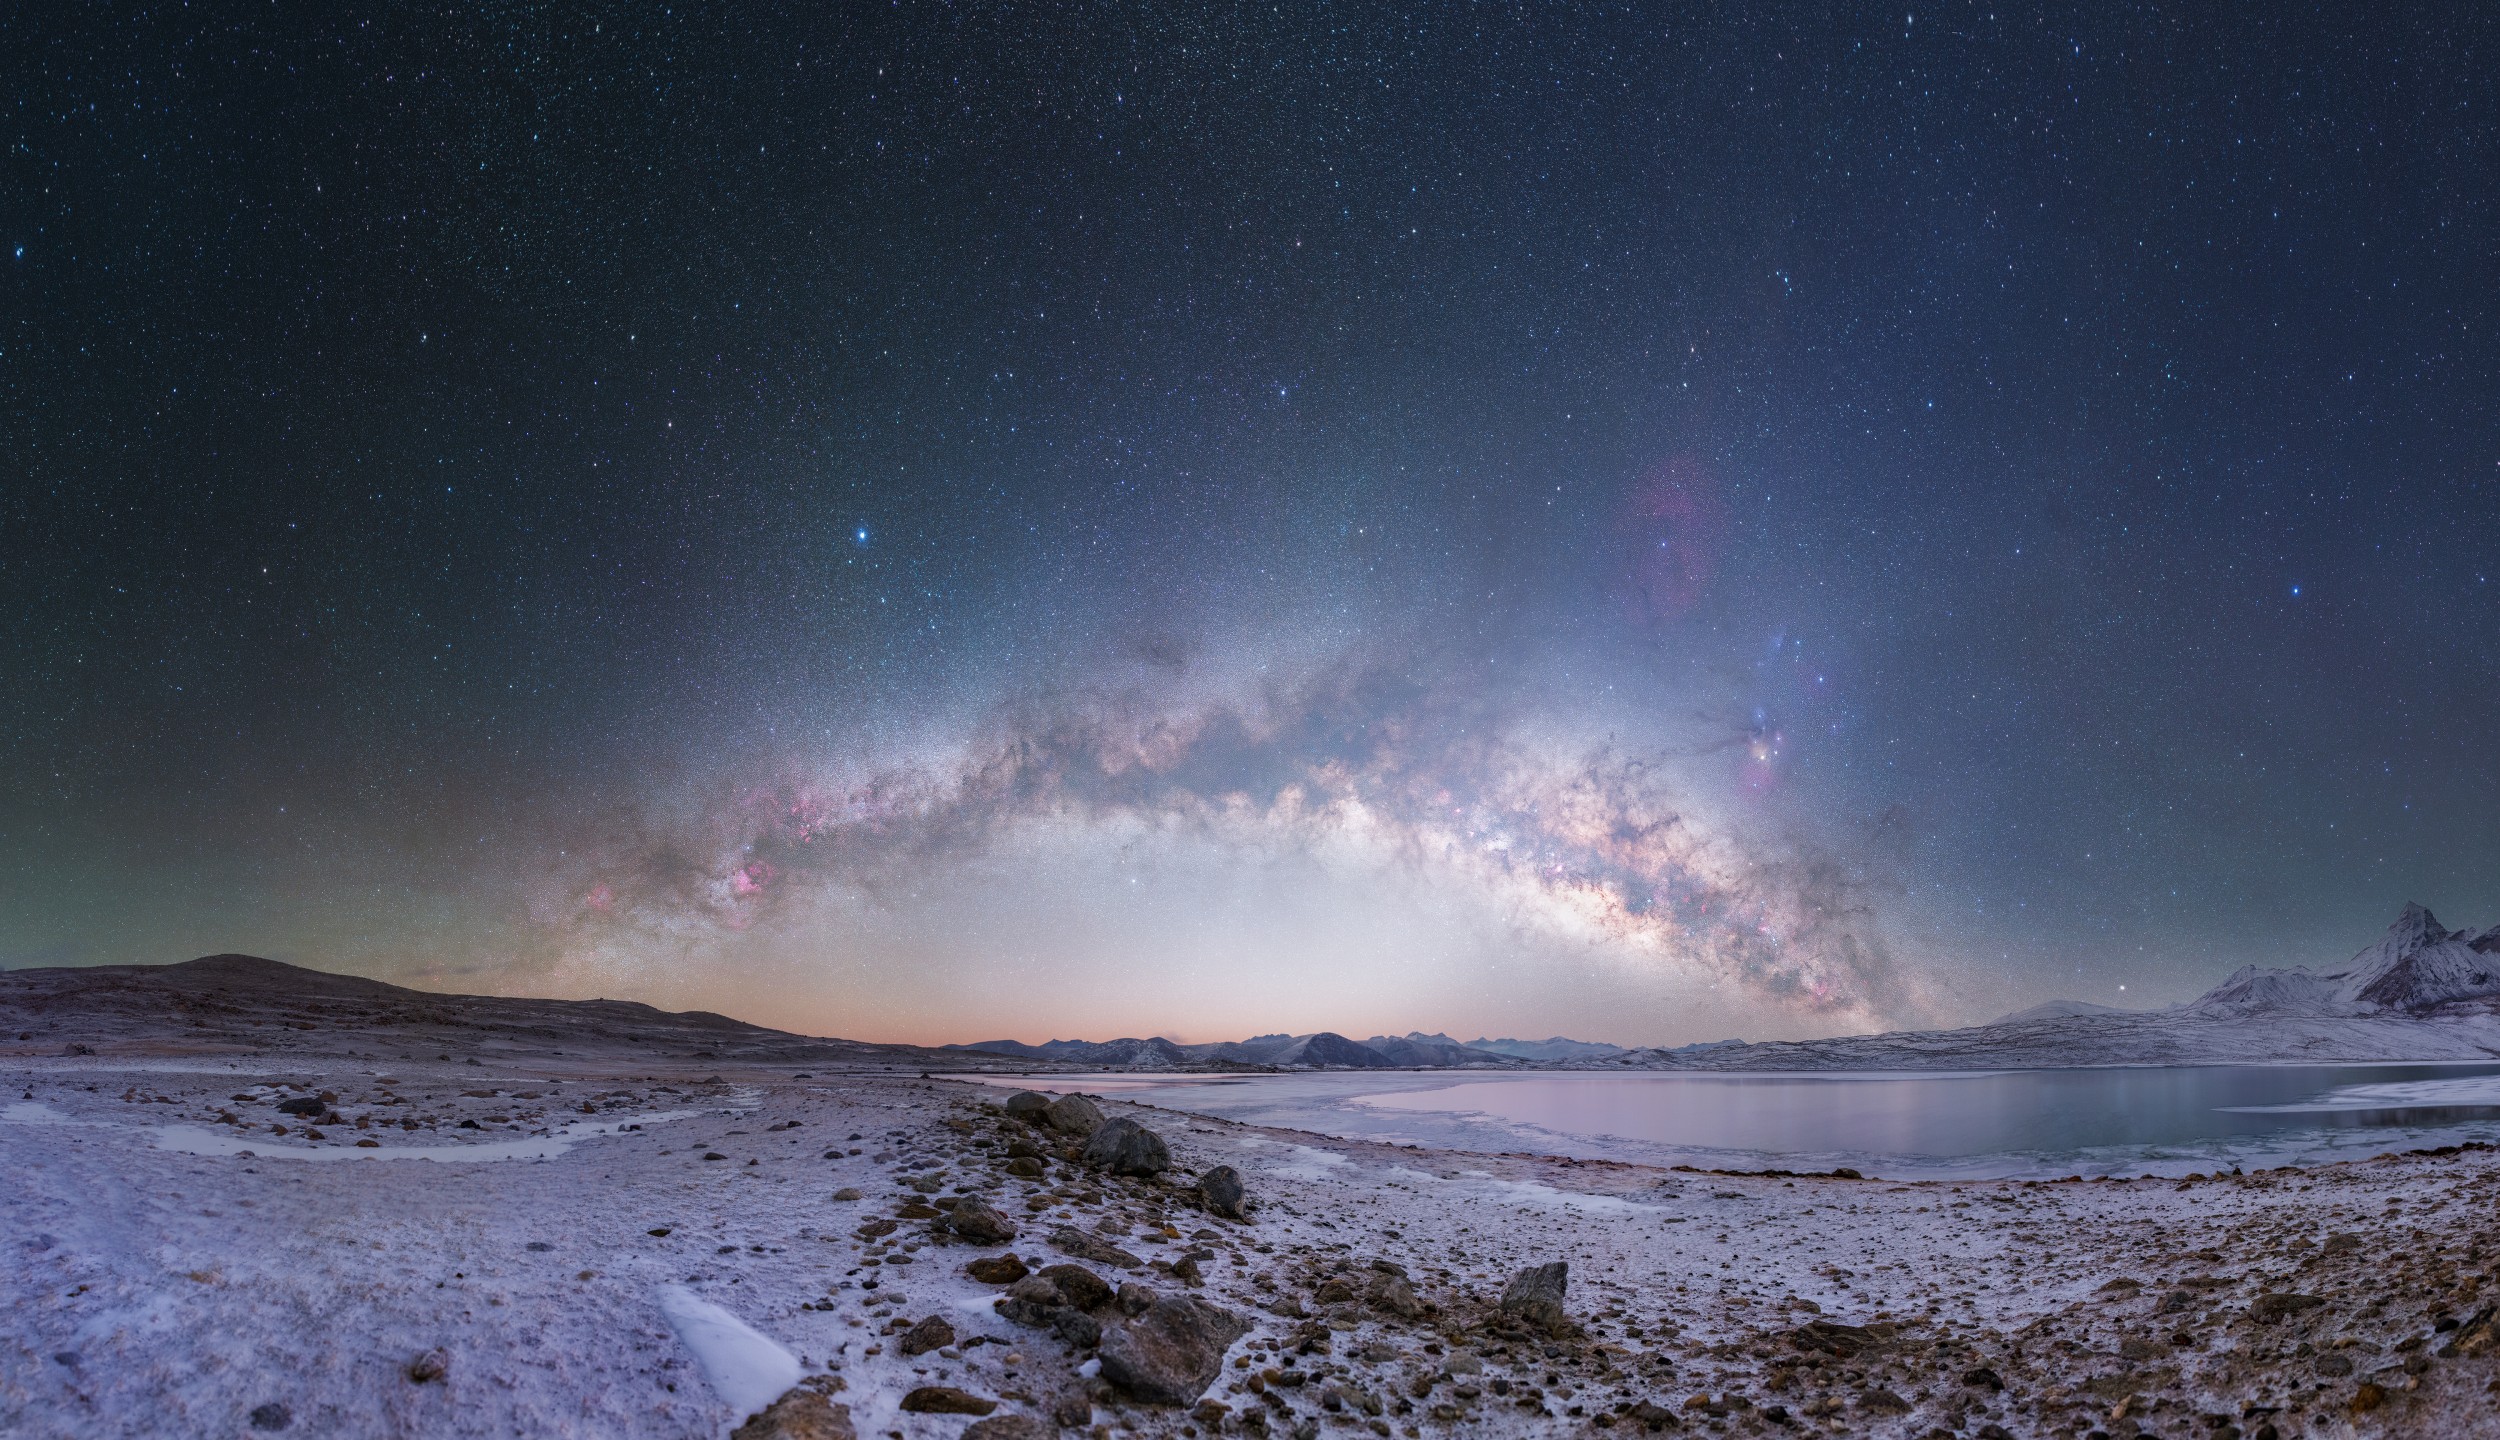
{"type": "Point", "coordinates": [517, 1248]}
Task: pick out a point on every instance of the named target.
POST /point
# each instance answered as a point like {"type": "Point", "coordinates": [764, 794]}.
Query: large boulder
{"type": "Point", "coordinates": [1073, 1115]}
{"type": "Point", "coordinates": [1125, 1147]}
{"type": "Point", "coordinates": [1535, 1296]}
{"type": "Point", "coordinates": [1029, 1106]}
{"type": "Point", "coordinates": [1173, 1352]}
{"type": "Point", "coordinates": [975, 1220]}
{"type": "Point", "coordinates": [1221, 1189]}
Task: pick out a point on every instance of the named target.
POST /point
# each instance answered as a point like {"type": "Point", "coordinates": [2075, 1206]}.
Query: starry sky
{"type": "Point", "coordinates": [943, 522]}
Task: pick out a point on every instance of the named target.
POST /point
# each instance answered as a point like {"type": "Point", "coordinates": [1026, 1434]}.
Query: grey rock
{"type": "Point", "coordinates": [975, 1220]}
{"type": "Point", "coordinates": [1031, 1301]}
{"type": "Point", "coordinates": [1075, 1329]}
{"type": "Point", "coordinates": [1028, 1106]}
{"type": "Point", "coordinates": [272, 1416]}
{"type": "Point", "coordinates": [1073, 1115]}
{"type": "Point", "coordinates": [1173, 1352]}
{"type": "Point", "coordinates": [1136, 1299]}
{"type": "Point", "coordinates": [1125, 1147]}
{"type": "Point", "coordinates": [1535, 1295]}
{"type": "Point", "coordinates": [1221, 1188]}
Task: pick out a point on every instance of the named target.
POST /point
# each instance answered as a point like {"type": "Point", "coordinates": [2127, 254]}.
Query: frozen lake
{"type": "Point", "coordinates": [1901, 1124]}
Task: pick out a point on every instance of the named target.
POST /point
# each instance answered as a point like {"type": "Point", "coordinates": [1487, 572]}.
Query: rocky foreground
{"type": "Point", "coordinates": [196, 1249]}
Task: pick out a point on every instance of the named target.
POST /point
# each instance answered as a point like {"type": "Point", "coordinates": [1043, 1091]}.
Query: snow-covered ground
{"type": "Point", "coordinates": [619, 1248]}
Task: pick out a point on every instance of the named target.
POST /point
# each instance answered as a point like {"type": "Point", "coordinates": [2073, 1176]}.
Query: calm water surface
{"type": "Point", "coordinates": [1974, 1123]}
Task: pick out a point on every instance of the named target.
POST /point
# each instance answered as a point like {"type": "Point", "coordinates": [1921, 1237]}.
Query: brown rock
{"type": "Point", "coordinates": [1071, 1241]}
{"type": "Point", "coordinates": [1011, 1427]}
{"type": "Point", "coordinates": [973, 1219]}
{"type": "Point", "coordinates": [1077, 1285]}
{"type": "Point", "coordinates": [2266, 1309]}
{"type": "Point", "coordinates": [799, 1414]}
{"type": "Point", "coordinates": [946, 1400]}
{"type": "Point", "coordinates": [1393, 1294]}
{"type": "Point", "coordinates": [997, 1270]}
{"type": "Point", "coordinates": [432, 1365]}
{"type": "Point", "coordinates": [933, 1333]}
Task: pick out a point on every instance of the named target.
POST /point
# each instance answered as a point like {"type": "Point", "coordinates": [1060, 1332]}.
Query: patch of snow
{"type": "Point", "coordinates": [1546, 1197]}
{"type": "Point", "coordinates": [1309, 1164]}
{"type": "Point", "coordinates": [201, 1140]}
{"type": "Point", "coordinates": [747, 1369]}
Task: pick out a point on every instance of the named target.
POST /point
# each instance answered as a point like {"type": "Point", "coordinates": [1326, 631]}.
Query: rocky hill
{"type": "Point", "coordinates": [224, 1004]}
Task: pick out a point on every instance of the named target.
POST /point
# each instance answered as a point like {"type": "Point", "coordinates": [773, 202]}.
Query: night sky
{"type": "Point", "coordinates": [941, 522]}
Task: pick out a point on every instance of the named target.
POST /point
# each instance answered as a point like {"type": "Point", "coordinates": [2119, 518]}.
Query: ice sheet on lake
{"type": "Point", "coordinates": [2463, 1092]}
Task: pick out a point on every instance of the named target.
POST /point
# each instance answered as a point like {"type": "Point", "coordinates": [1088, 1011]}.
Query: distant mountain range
{"type": "Point", "coordinates": [2423, 992]}
{"type": "Point", "coordinates": [1321, 1050]}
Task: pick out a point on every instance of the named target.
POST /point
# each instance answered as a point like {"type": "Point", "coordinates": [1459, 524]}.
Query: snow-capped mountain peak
{"type": "Point", "coordinates": [2417, 965]}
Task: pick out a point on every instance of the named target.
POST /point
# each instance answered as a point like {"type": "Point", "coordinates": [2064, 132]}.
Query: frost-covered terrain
{"type": "Point", "coordinates": [630, 1250]}
{"type": "Point", "coordinates": [245, 1199]}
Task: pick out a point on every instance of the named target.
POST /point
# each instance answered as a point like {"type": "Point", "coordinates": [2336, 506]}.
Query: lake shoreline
{"type": "Point", "coordinates": [1966, 1126]}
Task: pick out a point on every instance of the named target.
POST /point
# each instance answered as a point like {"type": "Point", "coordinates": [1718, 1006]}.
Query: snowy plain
{"type": "Point", "coordinates": [621, 1283]}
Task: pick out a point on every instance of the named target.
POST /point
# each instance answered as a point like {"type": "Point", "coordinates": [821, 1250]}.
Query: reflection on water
{"type": "Point", "coordinates": [1974, 1123]}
